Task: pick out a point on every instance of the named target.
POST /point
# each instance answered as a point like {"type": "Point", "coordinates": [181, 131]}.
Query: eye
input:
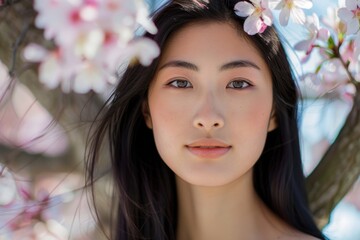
{"type": "Point", "coordinates": [238, 84]}
{"type": "Point", "coordinates": [180, 84]}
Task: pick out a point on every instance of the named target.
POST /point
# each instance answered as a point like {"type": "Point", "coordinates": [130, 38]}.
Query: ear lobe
{"type": "Point", "coordinates": [272, 122]}
{"type": "Point", "coordinates": [146, 113]}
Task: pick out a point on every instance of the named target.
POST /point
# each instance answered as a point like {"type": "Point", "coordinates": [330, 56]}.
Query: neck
{"type": "Point", "coordinates": [232, 211]}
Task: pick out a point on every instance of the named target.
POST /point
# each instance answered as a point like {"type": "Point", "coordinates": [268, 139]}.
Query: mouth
{"type": "Point", "coordinates": [208, 148]}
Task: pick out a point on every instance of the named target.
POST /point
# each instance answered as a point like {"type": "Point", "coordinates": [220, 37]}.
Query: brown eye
{"type": "Point", "coordinates": [238, 84]}
{"type": "Point", "coordinates": [180, 84]}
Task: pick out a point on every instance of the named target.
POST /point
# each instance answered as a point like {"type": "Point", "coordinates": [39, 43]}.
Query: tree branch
{"type": "Point", "coordinates": [338, 170]}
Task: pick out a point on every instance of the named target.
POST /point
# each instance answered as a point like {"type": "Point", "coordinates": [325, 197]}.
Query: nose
{"type": "Point", "coordinates": [208, 115]}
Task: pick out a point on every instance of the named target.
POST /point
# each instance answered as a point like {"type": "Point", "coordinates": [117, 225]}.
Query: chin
{"type": "Point", "coordinates": [212, 179]}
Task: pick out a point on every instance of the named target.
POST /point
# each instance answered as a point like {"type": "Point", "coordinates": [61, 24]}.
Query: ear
{"type": "Point", "coordinates": [146, 113]}
{"type": "Point", "coordinates": [272, 122]}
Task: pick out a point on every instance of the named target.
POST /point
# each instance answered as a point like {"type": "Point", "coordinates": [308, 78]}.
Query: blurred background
{"type": "Point", "coordinates": [43, 141]}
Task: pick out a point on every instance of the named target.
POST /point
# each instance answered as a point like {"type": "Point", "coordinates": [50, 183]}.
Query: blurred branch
{"type": "Point", "coordinates": [21, 161]}
{"type": "Point", "coordinates": [73, 112]}
{"type": "Point", "coordinates": [339, 168]}
{"type": "Point", "coordinates": [8, 3]}
{"type": "Point", "coordinates": [16, 46]}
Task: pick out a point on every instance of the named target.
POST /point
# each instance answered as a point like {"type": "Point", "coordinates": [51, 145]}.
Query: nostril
{"type": "Point", "coordinates": [216, 124]}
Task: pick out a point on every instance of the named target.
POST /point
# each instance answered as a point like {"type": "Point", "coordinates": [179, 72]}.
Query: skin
{"type": "Point", "coordinates": [213, 86]}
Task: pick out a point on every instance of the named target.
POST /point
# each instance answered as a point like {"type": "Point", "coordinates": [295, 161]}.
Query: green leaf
{"type": "Point", "coordinates": [331, 42]}
{"type": "Point", "coordinates": [318, 68]}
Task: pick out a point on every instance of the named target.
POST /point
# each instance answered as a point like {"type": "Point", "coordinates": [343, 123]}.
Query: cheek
{"type": "Point", "coordinates": [249, 126]}
{"type": "Point", "coordinates": [253, 113]}
{"type": "Point", "coordinates": [167, 115]}
{"type": "Point", "coordinates": [168, 123]}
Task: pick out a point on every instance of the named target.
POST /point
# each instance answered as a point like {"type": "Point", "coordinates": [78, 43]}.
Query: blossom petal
{"type": "Point", "coordinates": [316, 21]}
{"type": "Point", "coordinates": [284, 16]}
{"type": "Point", "coordinates": [272, 4]}
{"type": "Point", "coordinates": [351, 4]}
{"type": "Point", "coordinates": [87, 79]}
{"type": "Point", "coordinates": [252, 25]}
{"type": "Point", "coordinates": [81, 83]}
{"type": "Point", "coordinates": [244, 9]}
{"type": "Point", "coordinates": [306, 4]}
{"type": "Point", "coordinates": [143, 19]}
{"type": "Point", "coordinates": [145, 50]}
{"type": "Point", "coordinates": [267, 17]}
{"type": "Point", "coordinates": [304, 45]}
{"type": "Point", "coordinates": [324, 34]}
{"type": "Point", "coordinates": [50, 72]}
{"type": "Point", "coordinates": [345, 14]}
{"type": "Point", "coordinates": [35, 53]}
{"type": "Point", "coordinates": [353, 26]}
{"type": "Point", "coordinates": [7, 186]}
{"type": "Point", "coordinates": [277, 5]}
{"type": "Point", "coordinates": [298, 15]}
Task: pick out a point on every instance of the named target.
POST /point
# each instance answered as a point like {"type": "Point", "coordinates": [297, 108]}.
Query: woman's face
{"type": "Point", "coordinates": [210, 104]}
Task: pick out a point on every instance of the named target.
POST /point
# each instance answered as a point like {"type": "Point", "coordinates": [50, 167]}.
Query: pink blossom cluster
{"type": "Point", "coordinates": [18, 207]}
{"type": "Point", "coordinates": [338, 45]}
{"type": "Point", "coordinates": [336, 39]}
{"type": "Point", "coordinates": [350, 15]}
{"type": "Point", "coordinates": [259, 15]}
{"type": "Point", "coordinates": [93, 38]}
{"type": "Point", "coordinates": [32, 211]}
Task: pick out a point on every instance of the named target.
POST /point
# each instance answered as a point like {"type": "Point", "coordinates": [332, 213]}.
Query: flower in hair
{"type": "Point", "coordinates": [258, 15]}
{"type": "Point", "coordinates": [292, 8]}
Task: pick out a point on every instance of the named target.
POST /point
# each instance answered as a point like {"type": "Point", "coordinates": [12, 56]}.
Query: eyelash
{"type": "Point", "coordinates": [243, 82]}
{"type": "Point", "coordinates": [175, 83]}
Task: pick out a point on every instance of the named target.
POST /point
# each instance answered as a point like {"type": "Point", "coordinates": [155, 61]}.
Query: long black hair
{"type": "Point", "coordinates": [146, 200]}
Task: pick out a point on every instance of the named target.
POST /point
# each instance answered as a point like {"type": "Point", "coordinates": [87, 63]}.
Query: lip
{"type": "Point", "coordinates": [208, 148]}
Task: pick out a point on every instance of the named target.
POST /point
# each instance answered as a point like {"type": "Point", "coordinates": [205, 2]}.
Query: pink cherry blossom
{"type": "Point", "coordinates": [350, 14]}
{"type": "Point", "coordinates": [315, 32]}
{"type": "Point", "coordinates": [347, 51]}
{"type": "Point", "coordinates": [293, 9]}
{"type": "Point", "coordinates": [93, 38]}
{"type": "Point", "coordinates": [258, 15]}
{"type": "Point", "coordinates": [330, 77]}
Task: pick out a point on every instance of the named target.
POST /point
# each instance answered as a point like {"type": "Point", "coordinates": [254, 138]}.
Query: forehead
{"type": "Point", "coordinates": [213, 42]}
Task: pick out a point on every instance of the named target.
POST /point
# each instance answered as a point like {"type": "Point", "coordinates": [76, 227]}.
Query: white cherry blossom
{"type": "Point", "coordinates": [258, 15]}
{"type": "Point", "coordinates": [293, 9]}
{"type": "Point", "coordinates": [332, 21]}
{"type": "Point", "coordinates": [92, 38]}
{"type": "Point", "coordinates": [350, 14]}
{"type": "Point", "coordinates": [315, 32]}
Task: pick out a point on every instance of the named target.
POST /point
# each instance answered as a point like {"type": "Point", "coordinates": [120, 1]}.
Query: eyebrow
{"type": "Point", "coordinates": [181, 64]}
{"type": "Point", "coordinates": [227, 66]}
{"type": "Point", "coordinates": [239, 63]}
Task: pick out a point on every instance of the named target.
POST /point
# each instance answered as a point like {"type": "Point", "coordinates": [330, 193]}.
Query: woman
{"type": "Point", "coordinates": [204, 142]}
